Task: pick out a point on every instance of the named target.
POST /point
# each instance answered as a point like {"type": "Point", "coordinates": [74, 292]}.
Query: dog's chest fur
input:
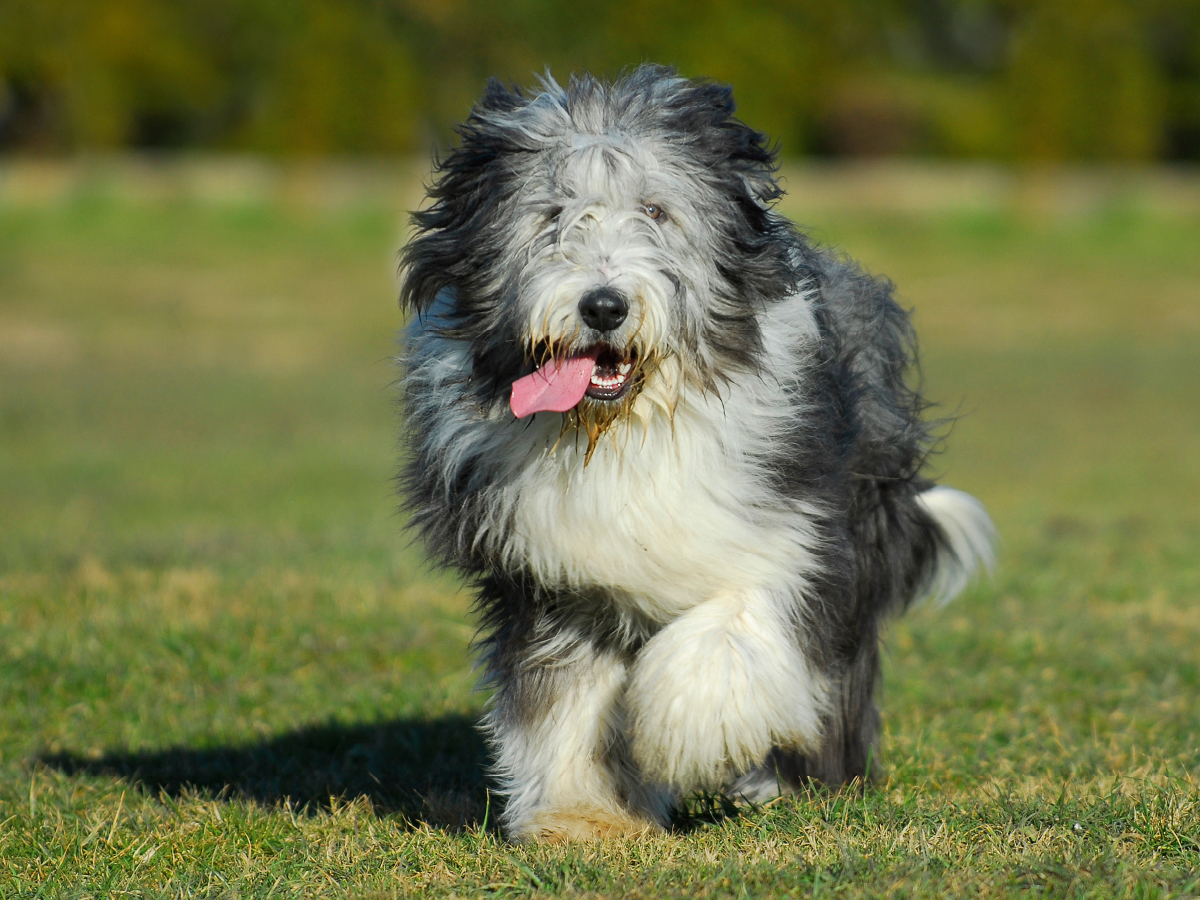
{"type": "Point", "coordinates": [669, 512]}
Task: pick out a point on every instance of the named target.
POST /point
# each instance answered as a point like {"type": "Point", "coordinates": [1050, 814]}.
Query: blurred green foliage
{"type": "Point", "coordinates": [1003, 79]}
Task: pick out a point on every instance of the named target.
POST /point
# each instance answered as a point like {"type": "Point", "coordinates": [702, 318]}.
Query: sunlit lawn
{"type": "Point", "coordinates": [223, 672]}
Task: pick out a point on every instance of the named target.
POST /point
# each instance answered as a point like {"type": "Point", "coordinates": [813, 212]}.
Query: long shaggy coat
{"type": "Point", "coordinates": [683, 566]}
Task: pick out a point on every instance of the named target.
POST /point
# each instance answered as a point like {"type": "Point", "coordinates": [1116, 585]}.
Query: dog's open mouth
{"type": "Point", "coordinates": [599, 373]}
{"type": "Point", "coordinates": [610, 375]}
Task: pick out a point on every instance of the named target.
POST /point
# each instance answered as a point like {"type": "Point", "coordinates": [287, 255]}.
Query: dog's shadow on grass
{"type": "Point", "coordinates": [427, 769]}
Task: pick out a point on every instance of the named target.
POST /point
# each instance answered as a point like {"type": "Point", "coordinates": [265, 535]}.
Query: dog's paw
{"type": "Point", "coordinates": [715, 690]}
{"type": "Point", "coordinates": [580, 823]}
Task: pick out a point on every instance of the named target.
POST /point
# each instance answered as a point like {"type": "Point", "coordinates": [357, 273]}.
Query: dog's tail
{"type": "Point", "coordinates": [967, 540]}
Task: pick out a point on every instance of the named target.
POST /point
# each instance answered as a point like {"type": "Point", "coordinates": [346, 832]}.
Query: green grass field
{"type": "Point", "coordinates": [224, 674]}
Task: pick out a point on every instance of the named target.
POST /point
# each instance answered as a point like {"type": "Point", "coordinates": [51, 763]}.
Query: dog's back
{"type": "Point", "coordinates": [895, 536]}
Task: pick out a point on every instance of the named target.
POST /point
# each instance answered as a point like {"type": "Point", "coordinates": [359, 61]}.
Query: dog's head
{"type": "Point", "coordinates": [601, 246]}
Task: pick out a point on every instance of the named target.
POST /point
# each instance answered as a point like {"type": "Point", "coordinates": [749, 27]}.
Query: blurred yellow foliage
{"type": "Point", "coordinates": [1002, 79]}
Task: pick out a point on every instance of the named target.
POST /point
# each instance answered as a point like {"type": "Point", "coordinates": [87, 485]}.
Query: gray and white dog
{"type": "Point", "coordinates": [672, 444]}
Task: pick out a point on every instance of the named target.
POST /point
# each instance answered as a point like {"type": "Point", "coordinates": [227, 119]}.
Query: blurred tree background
{"type": "Point", "coordinates": [999, 79]}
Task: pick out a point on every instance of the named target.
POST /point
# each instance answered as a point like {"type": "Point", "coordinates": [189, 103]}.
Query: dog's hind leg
{"type": "Point", "coordinates": [558, 735]}
{"type": "Point", "coordinates": [946, 536]}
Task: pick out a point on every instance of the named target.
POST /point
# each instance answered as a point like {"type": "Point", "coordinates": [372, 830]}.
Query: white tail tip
{"type": "Point", "coordinates": [970, 540]}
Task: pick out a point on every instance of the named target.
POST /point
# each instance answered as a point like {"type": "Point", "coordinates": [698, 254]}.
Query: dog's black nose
{"type": "Point", "coordinates": [603, 309]}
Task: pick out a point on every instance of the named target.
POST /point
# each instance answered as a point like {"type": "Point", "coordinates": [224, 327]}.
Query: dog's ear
{"type": "Point", "coordinates": [761, 185]}
{"type": "Point", "coordinates": [707, 103]}
{"type": "Point", "coordinates": [468, 185]}
{"type": "Point", "coordinates": [498, 98]}
{"type": "Point", "coordinates": [752, 156]}
{"type": "Point", "coordinates": [738, 165]}
{"type": "Point", "coordinates": [705, 110]}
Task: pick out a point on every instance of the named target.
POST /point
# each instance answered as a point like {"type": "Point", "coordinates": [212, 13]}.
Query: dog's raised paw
{"type": "Point", "coordinates": [715, 690]}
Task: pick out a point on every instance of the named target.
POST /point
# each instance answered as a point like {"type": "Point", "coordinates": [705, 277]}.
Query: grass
{"type": "Point", "coordinates": [224, 674]}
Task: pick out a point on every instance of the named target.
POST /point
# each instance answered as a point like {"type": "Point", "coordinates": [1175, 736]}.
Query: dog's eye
{"type": "Point", "coordinates": [654, 211]}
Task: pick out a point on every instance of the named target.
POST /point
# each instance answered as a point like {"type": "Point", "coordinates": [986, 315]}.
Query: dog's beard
{"type": "Point", "coordinates": [593, 419]}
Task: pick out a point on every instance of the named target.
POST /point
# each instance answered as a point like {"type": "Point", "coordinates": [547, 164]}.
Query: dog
{"type": "Point", "coordinates": [674, 446]}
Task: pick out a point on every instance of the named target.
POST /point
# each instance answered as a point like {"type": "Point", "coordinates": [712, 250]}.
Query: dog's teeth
{"type": "Point", "coordinates": [624, 368]}
{"type": "Point", "coordinates": [608, 381]}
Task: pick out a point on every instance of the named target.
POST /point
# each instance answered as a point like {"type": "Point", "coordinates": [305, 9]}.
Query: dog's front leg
{"type": "Point", "coordinates": [562, 758]}
{"type": "Point", "coordinates": [716, 689]}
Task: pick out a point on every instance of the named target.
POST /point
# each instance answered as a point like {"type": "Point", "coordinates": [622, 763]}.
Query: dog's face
{"type": "Point", "coordinates": [616, 239]}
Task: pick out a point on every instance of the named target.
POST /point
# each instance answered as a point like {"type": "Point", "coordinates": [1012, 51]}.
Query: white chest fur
{"type": "Point", "coordinates": [664, 518]}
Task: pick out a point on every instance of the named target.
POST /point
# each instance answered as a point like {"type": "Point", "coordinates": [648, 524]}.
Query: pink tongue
{"type": "Point", "coordinates": [556, 386]}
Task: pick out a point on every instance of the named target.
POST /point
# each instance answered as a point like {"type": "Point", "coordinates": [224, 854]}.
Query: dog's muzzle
{"type": "Point", "coordinates": [599, 372]}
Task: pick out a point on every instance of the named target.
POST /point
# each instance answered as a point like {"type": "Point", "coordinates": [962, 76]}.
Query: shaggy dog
{"type": "Point", "coordinates": [672, 443]}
